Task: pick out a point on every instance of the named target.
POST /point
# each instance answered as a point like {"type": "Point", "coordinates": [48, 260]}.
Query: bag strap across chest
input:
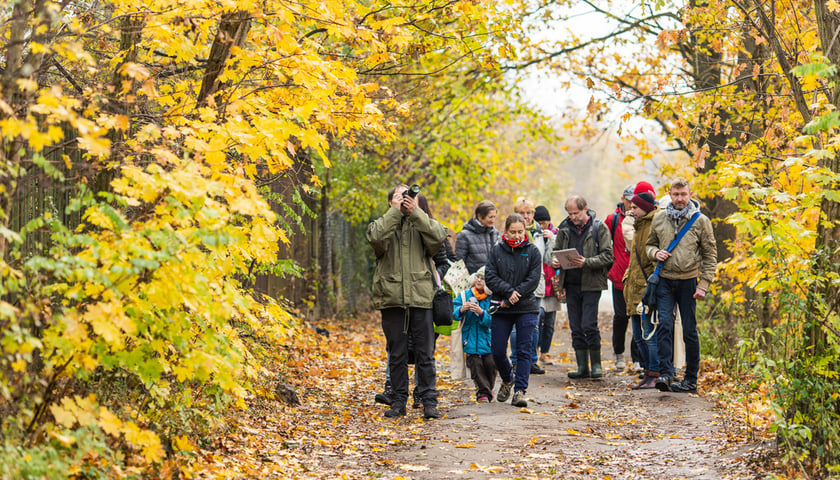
{"type": "Point", "coordinates": [676, 239]}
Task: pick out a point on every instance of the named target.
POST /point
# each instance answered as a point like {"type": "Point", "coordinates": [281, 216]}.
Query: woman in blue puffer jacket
{"type": "Point", "coordinates": [470, 308]}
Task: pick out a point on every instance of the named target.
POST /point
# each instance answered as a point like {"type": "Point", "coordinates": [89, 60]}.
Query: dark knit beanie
{"type": "Point", "coordinates": [541, 214]}
{"type": "Point", "coordinates": [645, 201]}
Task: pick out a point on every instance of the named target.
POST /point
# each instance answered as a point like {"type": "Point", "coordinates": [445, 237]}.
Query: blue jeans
{"type": "Point", "coordinates": [680, 293]}
{"type": "Point", "coordinates": [647, 348]}
{"type": "Point", "coordinates": [534, 344]}
{"type": "Point", "coordinates": [500, 329]}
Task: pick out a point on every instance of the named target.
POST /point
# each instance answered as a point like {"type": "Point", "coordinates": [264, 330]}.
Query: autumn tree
{"type": "Point", "coordinates": [747, 90]}
{"type": "Point", "coordinates": [155, 124]}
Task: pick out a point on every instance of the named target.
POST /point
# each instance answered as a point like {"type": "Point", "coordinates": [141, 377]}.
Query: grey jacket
{"type": "Point", "coordinates": [473, 244]}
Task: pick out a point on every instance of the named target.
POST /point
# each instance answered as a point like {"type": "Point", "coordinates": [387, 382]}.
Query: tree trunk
{"type": "Point", "coordinates": [325, 289]}
{"type": "Point", "coordinates": [706, 69]}
{"type": "Point", "coordinates": [828, 229]}
{"type": "Point", "coordinates": [233, 30]}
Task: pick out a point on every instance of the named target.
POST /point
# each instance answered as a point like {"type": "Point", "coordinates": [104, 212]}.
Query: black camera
{"type": "Point", "coordinates": [494, 307]}
{"type": "Point", "coordinates": [413, 191]}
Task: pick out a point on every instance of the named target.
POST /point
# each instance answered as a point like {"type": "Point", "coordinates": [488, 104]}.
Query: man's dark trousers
{"type": "Point", "coordinates": [680, 293]}
{"type": "Point", "coordinates": [395, 325]}
{"type": "Point", "coordinates": [582, 308]}
{"type": "Point", "coordinates": [620, 321]}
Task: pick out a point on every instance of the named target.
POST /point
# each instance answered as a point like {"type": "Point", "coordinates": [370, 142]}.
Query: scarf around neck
{"type": "Point", "coordinates": [512, 243]}
{"type": "Point", "coordinates": [677, 215]}
{"type": "Point", "coordinates": [479, 296]}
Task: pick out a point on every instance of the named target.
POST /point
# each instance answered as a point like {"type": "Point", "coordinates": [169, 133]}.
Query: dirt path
{"type": "Point", "coordinates": [588, 429]}
{"type": "Point", "coordinates": [571, 430]}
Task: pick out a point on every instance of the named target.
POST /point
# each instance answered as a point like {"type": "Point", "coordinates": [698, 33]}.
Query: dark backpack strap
{"type": "Point", "coordinates": [613, 226]}
{"type": "Point", "coordinates": [595, 223]}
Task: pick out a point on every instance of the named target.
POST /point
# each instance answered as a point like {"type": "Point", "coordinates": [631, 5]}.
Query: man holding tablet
{"type": "Point", "coordinates": [582, 250]}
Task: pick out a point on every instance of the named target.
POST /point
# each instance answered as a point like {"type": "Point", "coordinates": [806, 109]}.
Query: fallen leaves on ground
{"type": "Point", "coordinates": [336, 432]}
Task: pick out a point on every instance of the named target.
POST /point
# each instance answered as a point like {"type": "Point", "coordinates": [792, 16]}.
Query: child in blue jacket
{"type": "Point", "coordinates": [470, 308]}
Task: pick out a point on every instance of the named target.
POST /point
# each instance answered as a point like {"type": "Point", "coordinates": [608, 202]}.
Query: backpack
{"type": "Point", "coordinates": [595, 224]}
{"type": "Point", "coordinates": [613, 226]}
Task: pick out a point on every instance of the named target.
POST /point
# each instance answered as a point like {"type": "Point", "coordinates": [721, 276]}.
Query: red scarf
{"type": "Point", "coordinates": [513, 243]}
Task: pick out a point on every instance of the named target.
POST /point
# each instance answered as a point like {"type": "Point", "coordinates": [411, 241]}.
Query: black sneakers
{"type": "Point", "coordinates": [430, 411]}
{"type": "Point", "coordinates": [395, 411]}
{"type": "Point", "coordinates": [683, 387]}
{"type": "Point", "coordinates": [385, 398]}
{"type": "Point", "coordinates": [504, 391]}
{"type": "Point", "coordinates": [667, 383]}
{"type": "Point", "coordinates": [663, 383]}
{"type": "Point", "coordinates": [387, 395]}
{"type": "Point", "coordinates": [537, 370]}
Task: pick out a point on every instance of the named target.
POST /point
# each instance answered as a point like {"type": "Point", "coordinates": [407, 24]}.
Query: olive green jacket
{"type": "Point", "coordinates": [635, 278]}
{"type": "Point", "coordinates": [596, 264]}
{"type": "Point", "coordinates": [696, 254]}
{"type": "Point", "coordinates": [403, 246]}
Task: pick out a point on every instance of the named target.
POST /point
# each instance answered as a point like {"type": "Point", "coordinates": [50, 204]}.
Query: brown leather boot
{"type": "Point", "coordinates": [648, 382]}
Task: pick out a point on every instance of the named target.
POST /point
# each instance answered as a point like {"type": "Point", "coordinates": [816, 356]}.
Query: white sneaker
{"type": "Point", "coordinates": [637, 367]}
{"type": "Point", "coordinates": [619, 361]}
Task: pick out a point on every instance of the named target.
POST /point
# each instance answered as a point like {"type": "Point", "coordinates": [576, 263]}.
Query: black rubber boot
{"type": "Point", "coordinates": [595, 360]}
{"type": "Point", "coordinates": [387, 396]}
{"type": "Point", "coordinates": [582, 357]}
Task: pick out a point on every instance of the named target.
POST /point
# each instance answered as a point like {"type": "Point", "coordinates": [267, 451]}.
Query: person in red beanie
{"type": "Point", "coordinates": [616, 273]}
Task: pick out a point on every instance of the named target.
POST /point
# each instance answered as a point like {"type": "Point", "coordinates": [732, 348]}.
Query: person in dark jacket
{"type": "Point", "coordinates": [513, 274]}
{"type": "Point", "coordinates": [404, 239]}
{"type": "Point", "coordinates": [584, 282]}
{"type": "Point", "coordinates": [643, 208]}
{"type": "Point", "coordinates": [476, 239]}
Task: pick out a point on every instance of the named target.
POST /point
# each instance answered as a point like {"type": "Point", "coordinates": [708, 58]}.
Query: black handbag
{"type": "Point", "coordinates": [649, 297]}
{"type": "Point", "coordinates": [442, 308]}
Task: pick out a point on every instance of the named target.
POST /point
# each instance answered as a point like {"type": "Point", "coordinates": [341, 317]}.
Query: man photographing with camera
{"type": "Point", "coordinates": [403, 239]}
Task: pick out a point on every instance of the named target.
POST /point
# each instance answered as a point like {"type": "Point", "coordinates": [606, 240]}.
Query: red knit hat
{"type": "Point", "coordinates": [644, 187]}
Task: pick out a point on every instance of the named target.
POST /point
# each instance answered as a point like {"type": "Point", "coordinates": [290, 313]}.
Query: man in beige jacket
{"type": "Point", "coordinates": [685, 276]}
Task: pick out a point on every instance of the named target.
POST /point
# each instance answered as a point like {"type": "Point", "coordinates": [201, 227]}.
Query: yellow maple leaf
{"type": "Point", "coordinates": [99, 318]}
{"type": "Point", "coordinates": [183, 444]}
{"type": "Point", "coordinates": [810, 82]}
{"type": "Point", "coordinates": [63, 415]}
{"type": "Point", "coordinates": [572, 432]}
{"type": "Point", "coordinates": [110, 423]}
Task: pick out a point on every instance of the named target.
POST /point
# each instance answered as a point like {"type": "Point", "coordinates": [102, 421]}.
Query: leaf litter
{"type": "Point", "coordinates": [586, 429]}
